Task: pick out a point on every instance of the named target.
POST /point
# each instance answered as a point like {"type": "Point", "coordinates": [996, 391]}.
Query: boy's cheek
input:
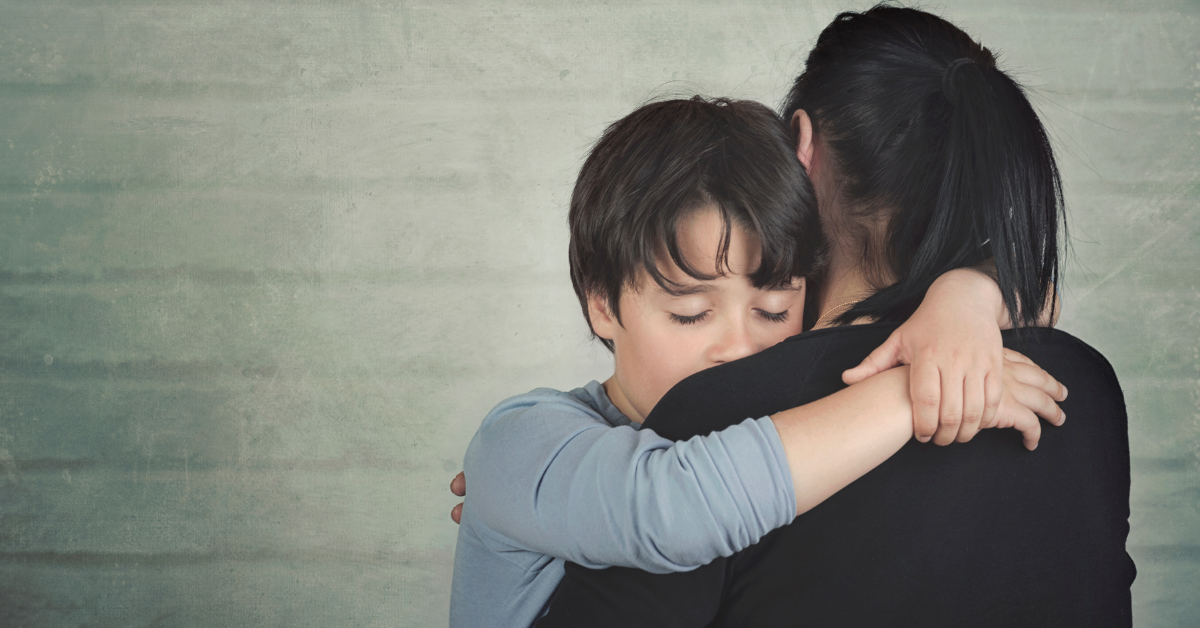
{"type": "Point", "coordinates": [678, 367]}
{"type": "Point", "coordinates": [659, 373]}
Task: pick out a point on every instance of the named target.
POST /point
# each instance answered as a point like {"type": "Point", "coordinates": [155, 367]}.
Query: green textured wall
{"type": "Point", "coordinates": [264, 267]}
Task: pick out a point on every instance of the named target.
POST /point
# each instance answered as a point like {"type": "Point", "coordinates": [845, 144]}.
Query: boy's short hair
{"type": "Point", "coordinates": [655, 166]}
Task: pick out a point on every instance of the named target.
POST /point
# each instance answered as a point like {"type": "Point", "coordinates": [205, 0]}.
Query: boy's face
{"type": "Point", "coordinates": [663, 338]}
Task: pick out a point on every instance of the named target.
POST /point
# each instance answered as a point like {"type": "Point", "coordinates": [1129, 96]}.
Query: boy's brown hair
{"type": "Point", "coordinates": [667, 159]}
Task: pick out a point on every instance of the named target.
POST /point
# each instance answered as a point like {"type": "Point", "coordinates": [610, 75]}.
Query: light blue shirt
{"type": "Point", "coordinates": [557, 476]}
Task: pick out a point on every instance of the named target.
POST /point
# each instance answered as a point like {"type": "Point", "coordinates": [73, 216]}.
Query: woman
{"type": "Point", "coordinates": [925, 158]}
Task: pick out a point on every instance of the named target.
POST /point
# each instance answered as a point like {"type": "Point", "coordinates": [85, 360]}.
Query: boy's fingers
{"type": "Point", "coordinates": [951, 412]}
{"type": "Point", "coordinates": [1013, 413]}
{"type": "Point", "coordinates": [973, 407]}
{"type": "Point", "coordinates": [456, 513]}
{"type": "Point", "coordinates": [925, 387]}
{"type": "Point", "coordinates": [458, 485]}
{"type": "Point", "coordinates": [1038, 401]}
{"type": "Point", "coordinates": [993, 390]}
{"type": "Point", "coordinates": [1033, 375]}
{"type": "Point", "coordinates": [884, 357]}
{"type": "Point", "coordinates": [1031, 432]}
{"type": "Point", "coordinates": [1017, 356]}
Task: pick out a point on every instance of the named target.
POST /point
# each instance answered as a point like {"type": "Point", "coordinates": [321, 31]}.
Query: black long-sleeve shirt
{"type": "Point", "coordinates": [977, 534]}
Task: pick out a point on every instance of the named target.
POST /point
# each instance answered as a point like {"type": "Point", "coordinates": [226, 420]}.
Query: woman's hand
{"type": "Point", "coordinates": [953, 343]}
{"type": "Point", "coordinates": [458, 486]}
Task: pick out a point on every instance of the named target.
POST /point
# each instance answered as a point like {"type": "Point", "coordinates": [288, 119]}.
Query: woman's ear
{"type": "Point", "coordinates": [803, 132]}
{"type": "Point", "coordinates": [604, 323]}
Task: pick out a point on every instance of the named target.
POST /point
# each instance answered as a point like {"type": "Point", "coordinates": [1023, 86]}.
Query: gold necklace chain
{"type": "Point", "coordinates": [833, 309]}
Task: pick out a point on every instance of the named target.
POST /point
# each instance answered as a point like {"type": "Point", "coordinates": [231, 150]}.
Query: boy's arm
{"type": "Point", "coordinates": [953, 343]}
{"type": "Point", "coordinates": [552, 477]}
{"type": "Point", "coordinates": [1051, 309]}
{"type": "Point", "coordinates": [837, 439]}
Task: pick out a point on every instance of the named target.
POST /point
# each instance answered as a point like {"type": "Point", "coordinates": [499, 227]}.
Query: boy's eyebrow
{"type": "Point", "coordinates": [683, 290]}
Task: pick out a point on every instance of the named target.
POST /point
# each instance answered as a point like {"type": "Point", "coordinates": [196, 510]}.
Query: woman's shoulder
{"type": "Point", "coordinates": [841, 335]}
{"type": "Point", "coordinates": [793, 372]}
{"type": "Point", "coordinates": [795, 358]}
{"type": "Point", "coordinates": [1062, 354]}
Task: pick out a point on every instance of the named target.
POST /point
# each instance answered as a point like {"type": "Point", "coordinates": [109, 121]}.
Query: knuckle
{"type": "Point", "coordinates": [951, 420]}
{"type": "Point", "coordinates": [929, 400]}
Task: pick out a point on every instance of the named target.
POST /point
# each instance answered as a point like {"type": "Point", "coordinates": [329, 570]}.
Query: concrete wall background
{"type": "Point", "coordinates": [264, 267]}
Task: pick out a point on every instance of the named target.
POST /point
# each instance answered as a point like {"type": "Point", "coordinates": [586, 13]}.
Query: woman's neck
{"type": "Point", "coordinates": [846, 284]}
{"type": "Point", "coordinates": [846, 279]}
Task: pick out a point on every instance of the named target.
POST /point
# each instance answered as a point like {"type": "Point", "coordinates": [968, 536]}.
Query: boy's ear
{"type": "Point", "coordinates": [604, 323]}
{"type": "Point", "coordinates": [802, 130]}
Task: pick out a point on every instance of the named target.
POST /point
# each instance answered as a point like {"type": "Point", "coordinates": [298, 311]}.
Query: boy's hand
{"type": "Point", "coordinates": [1028, 391]}
{"type": "Point", "coordinates": [458, 486]}
{"type": "Point", "coordinates": [953, 343]}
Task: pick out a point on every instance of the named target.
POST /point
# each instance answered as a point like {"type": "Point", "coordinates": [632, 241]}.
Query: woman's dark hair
{"type": "Point", "coordinates": [668, 159]}
{"type": "Point", "coordinates": [929, 138]}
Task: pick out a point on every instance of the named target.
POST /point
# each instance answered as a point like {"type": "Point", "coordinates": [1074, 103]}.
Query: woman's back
{"type": "Point", "coordinates": [979, 534]}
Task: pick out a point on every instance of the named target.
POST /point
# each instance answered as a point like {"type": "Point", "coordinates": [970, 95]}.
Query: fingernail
{"type": "Point", "coordinates": [1034, 447]}
{"type": "Point", "coordinates": [1063, 418]}
{"type": "Point", "coordinates": [923, 439]}
{"type": "Point", "coordinates": [1064, 393]}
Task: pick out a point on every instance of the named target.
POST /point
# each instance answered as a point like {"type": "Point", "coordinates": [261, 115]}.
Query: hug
{"type": "Point", "coordinates": [797, 305]}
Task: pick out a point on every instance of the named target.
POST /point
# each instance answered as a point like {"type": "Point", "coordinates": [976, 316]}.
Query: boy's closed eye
{"type": "Point", "coordinates": [774, 317]}
{"type": "Point", "coordinates": [689, 320]}
{"type": "Point", "coordinates": [771, 317]}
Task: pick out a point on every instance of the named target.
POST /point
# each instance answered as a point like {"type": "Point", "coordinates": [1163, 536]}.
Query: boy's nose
{"type": "Point", "coordinates": [735, 343]}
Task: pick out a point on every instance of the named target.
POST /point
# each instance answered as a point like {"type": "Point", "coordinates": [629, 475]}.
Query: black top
{"type": "Point", "coordinates": [977, 534]}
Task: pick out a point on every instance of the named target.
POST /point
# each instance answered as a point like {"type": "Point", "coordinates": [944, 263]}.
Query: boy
{"type": "Point", "coordinates": [693, 228]}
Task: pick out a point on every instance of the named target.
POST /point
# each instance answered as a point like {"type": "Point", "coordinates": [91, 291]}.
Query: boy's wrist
{"type": "Point", "coordinates": [898, 381]}
{"type": "Point", "coordinates": [979, 285]}
{"type": "Point", "coordinates": [889, 394]}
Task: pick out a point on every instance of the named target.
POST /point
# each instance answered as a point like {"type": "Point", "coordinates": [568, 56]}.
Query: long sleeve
{"type": "Point", "coordinates": [549, 474]}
